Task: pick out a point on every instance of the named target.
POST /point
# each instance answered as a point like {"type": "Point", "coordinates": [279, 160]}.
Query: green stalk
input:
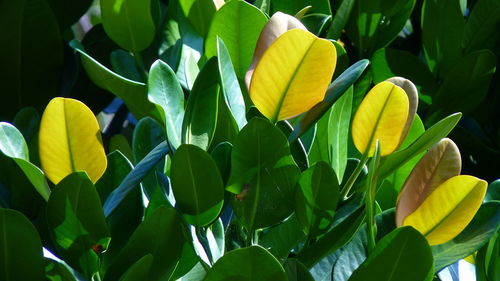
{"type": "Point", "coordinates": [354, 176]}
{"type": "Point", "coordinates": [371, 185]}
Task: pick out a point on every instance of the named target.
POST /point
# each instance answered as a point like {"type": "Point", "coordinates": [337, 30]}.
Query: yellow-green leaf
{"type": "Point", "coordinates": [278, 24]}
{"type": "Point", "coordinates": [70, 141]}
{"type": "Point", "coordinates": [382, 115]}
{"type": "Point", "coordinates": [448, 210]}
{"type": "Point", "coordinates": [292, 75]}
{"type": "Point", "coordinates": [412, 93]}
{"type": "Point", "coordinates": [440, 163]}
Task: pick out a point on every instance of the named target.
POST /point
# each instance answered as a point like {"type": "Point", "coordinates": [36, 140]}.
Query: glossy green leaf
{"type": "Point", "coordinates": [31, 55]}
{"type": "Point", "coordinates": [316, 198]}
{"type": "Point", "coordinates": [21, 253]}
{"type": "Point", "coordinates": [481, 27]}
{"type": "Point", "coordinates": [215, 239]}
{"type": "Point", "coordinates": [76, 222]}
{"type": "Point", "coordinates": [13, 145]}
{"type": "Point", "coordinates": [333, 240]}
{"type": "Point", "coordinates": [263, 175]}
{"type": "Point", "coordinates": [70, 141]}
{"type": "Point", "coordinates": [55, 271]}
{"type": "Point", "coordinates": [292, 7]}
{"type": "Point", "coordinates": [394, 258]}
{"type": "Point", "coordinates": [340, 19]}
{"type": "Point", "coordinates": [465, 86]}
{"type": "Point", "coordinates": [238, 24]}
{"type": "Point", "coordinates": [120, 143]}
{"type": "Point", "coordinates": [446, 211]}
{"type": "Point", "coordinates": [200, 13]}
{"type": "Point", "coordinates": [493, 192]}
{"type": "Point", "coordinates": [338, 135]}
{"type": "Point", "coordinates": [296, 271]}
{"type": "Point", "coordinates": [297, 149]}
{"type": "Point", "coordinates": [226, 128]}
{"type": "Point", "coordinates": [374, 24]}
{"type": "Point", "coordinates": [136, 16]}
{"type": "Point", "coordinates": [230, 86]}
{"type": "Point", "coordinates": [279, 240]}
{"type": "Point", "coordinates": [336, 89]}
{"type": "Point", "coordinates": [124, 64]}
{"type": "Point", "coordinates": [135, 177]}
{"type": "Point", "coordinates": [200, 119]}
{"type": "Point", "coordinates": [431, 136]}
{"type": "Point", "coordinates": [253, 264]}
{"type": "Point", "coordinates": [221, 154]}
{"type": "Point", "coordinates": [161, 235]}
{"type": "Point", "coordinates": [280, 86]}
{"type": "Point", "coordinates": [133, 93]}
{"type": "Point", "coordinates": [316, 23]}
{"type": "Point", "coordinates": [387, 63]}
{"type": "Point", "coordinates": [165, 91]}
{"type": "Point", "coordinates": [442, 31]}
{"type": "Point", "coordinates": [125, 220]}
{"type": "Point", "coordinates": [197, 185]}
{"type": "Point", "coordinates": [139, 270]}
{"type": "Point", "coordinates": [482, 227]}
{"type": "Point", "coordinates": [27, 121]}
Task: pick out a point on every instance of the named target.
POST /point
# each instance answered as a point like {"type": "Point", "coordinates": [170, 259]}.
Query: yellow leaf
{"type": "Point", "coordinates": [440, 163]}
{"type": "Point", "coordinates": [278, 24]}
{"type": "Point", "coordinates": [292, 75]}
{"type": "Point", "coordinates": [412, 93]}
{"type": "Point", "coordinates": [70, 141]}
{"type": "Point", "coordinates": [448, 209]}
{"type": "Point", "coordinates": [382, 115]}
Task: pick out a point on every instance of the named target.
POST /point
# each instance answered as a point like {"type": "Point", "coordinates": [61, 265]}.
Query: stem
{"type": "Point", "coordinates": [140, 65]}
{"type": "Point", "coordinates": [353, 177]}
{"type": "Point", "coordinates": [370, 218]}
{"type": "Point", "coordinates": [96, 277]}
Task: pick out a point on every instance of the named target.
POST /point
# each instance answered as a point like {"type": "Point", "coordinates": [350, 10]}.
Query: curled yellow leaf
{"type": "Point", "coordinates": [412, 94]}
{"type": "Point", "coordinates": [440, 163]}
{"type": "Point", "coordinates": [278, 24]}
{"type": "Point", "coordinates": [382, 115]}
{"type": "Point", "coordinates": [448, 209]}
{"type": "Point", "coordinates": [70, 141]}
{"type": "Point", "coordinates": [292, 75]}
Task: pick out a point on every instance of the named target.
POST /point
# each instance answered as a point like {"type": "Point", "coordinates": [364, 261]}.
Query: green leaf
{"type": "Point", "coordinates": [55, 271]}
{"type": "Point", "coordinates": [431, 136]}
{"type": "Point", "coordinates": [374, 24]}
{"type": "Point", "coordinates": [292, 7]}
{"type": "Point", "coordinates": [296, 148]}
{"type": "Point", "coordinates": [76, 222]}
{"type": "Point", "coordinates": [282, 238]}
{"type": "Point", "coordinates": [238, 24]}
{"type": "Point", "coordinates": [21, 253]}
{"type": "Point", "coordinates": [481, 26]}
{"type": "Point", "coordinates": [125, 220]}
{"type": "Point", "coordinates": [200, 14]}
{"type": "Point", "coordinates": [394, 258]}
{"type": "Point", "coordinates": [442, 31]}
{"type": "Point", "coordinates": [197, 185]}
{"type": "Point", "coordinates": [221, 154]}
{"type": "Point", "coordinates": [135, 177]}
{"type": "Point", "coordinates": [336, 89]}
{"type": "Point", "coordinates": [337, 237]}
{"type": "Point", "coordinates": [387, 63]}
{"type": "Point", "coordinates": [296, 271]}
{"type": "Point", "coordinates": [263, 174]}
{"type": "Point", "coordinates": [27, 121]}
{"type": "Point", "coordinates": [139, 270]}
{"type": "Point", "coordinates": [161, 235]}
{"type": "Point", "coordinates": [340, 118]}
{"type": "Point", "coordinates": [123, 64]}
{"type": "Point", "coordinates": [165, 91]}
{"type": "Point", "coordinates": [31, 54]}
{"type": "Point", "coordinates": [472, 238]}
{"type": "Point", "coordinates": [316, 198]}
{"type": "Point", "coordinates": [252, 264]}
{"type": "Point", "coordinates": [340, 19]}
{"type": "Point", "coordinates": [129, 23]}
{"type": "Point", "coordinates": [68, 12]}
{"type": "Point", "coordinates": [215, 238]}
{"type": "Point", "coordinates": [133, 93]}
{"type": "Point", "coordinates": [493, 191]}
{"type": "Point", "coordinates": [230, 86]}
{"type": "Point", "coordinates": [200, 119]}
{"type": "Point", "coordinates": [465, 86]}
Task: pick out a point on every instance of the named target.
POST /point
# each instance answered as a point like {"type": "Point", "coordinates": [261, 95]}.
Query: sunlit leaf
{"type": "Point", "coordinates": [440, 163]}
{"type": "Point", "coordinates": [292, 75]}
{"type": "Point", "coordinates": [412, 93]}
{"type": "Point", "coordinates": [448, 210]}
{"type": "Point", "coordinates": [381, 116]}
{"type": "Point", "coordinates": [70, 141]}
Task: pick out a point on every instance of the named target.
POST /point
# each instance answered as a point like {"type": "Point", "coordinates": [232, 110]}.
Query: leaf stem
{"type": "Point", "coordinates": [354, 176]}
{"type": "Point", "coordinates": [140, 65]}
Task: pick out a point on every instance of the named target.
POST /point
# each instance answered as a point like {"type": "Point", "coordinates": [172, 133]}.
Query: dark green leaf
{"type": "Point", "coordinates": [481, 28]}
{"type": "Point", "coordinates": [316, 198]}
{"type": "Point", "coordinates": [296, 147]}
{"type": "Point", "coordinates": [200, 14]}
{"type": "Point", "coordinates": [493, 192]}
{"type": "Point", "coordinates": [394, 258]}
{"type": "Point", "coordinates": [27, 121]}
{"type": "Point", "coordinates": [296, 271]}
{"type": "Point", "coordinates": [477, 233]}
{"type": "Point", "coordinates": [292, 7]}
{"type": "Point", "coordinates": [336, 89]}
{"type": "Point", "coordinates": [340, 19]}
{"type": "Point", "coordinates": [130, 23]}
{"type": "Point", "coordinates": [221, 154]}
{"type": "Point", "coordinates": [165, 91]}
{"type": "Point", "coordinates": [139, 270]}
{"type": "Point", "coordinates": [263, 174]}
{"type": "Point", "coordinates": [200, 119]}
{"type": "Point", "coordinates": [282, 238]}
{"type": "Point", "coordinates": [21, 253]}
{"type": "Point", "coordinates": [135, 177]}
{"type": "Point", "coordinates": [55, 271]}
{"type": "Point", "coordinates": [161, 235]}
{"type": "Point", "coordinates": [76, 222]}
{"type": "Point", "coordinates": [69, 12]}
{"type": "Point", "coordinates": [197, 185]}
{"type": "Point", "coordinates": [123, 64]}
{"type": "Point", "coordinates": [251, 264]}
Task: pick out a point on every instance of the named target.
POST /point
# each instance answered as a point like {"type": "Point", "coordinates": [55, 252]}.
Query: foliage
{"type": "Point", "coordinates": [248, 140]}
